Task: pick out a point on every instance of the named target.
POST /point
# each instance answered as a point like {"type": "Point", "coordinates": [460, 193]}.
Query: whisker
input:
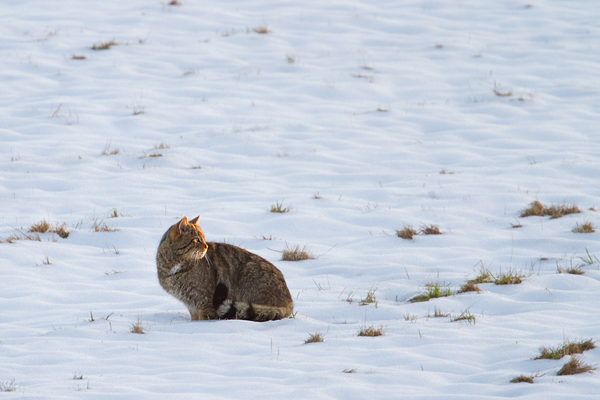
{"type": "Point", "coordinates": [208, 260]}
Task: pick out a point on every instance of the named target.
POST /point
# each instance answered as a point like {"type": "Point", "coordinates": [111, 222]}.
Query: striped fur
{"type": "Point", "coordinates": [218, 280]}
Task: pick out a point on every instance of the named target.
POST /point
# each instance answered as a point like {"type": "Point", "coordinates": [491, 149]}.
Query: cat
{"type": "Point", "coordinates": [219, 280]}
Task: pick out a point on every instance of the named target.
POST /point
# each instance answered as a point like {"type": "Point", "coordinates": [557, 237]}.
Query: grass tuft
{"type": "Point", "coordinates": [430, 230]}
{"type": "Point", "coordinates": [104, 45]}
{"type": "Point", "coordinates": [434, 290]}
{"type": "Point", "coordinates": [102, 227]}
{"type": "Point", "coordinates": [138, 328]}
{"type": "Point", "coordinates": [45, 227]}
{"type": "Point", "coordinates": [279, 208]}
{"type": "Point", "coordinates": [263, 30]}
{"type": "Point", "coordinates": [465, 316]}
{"type": "Point", "coordinates": [295, 254]}
{"type": "Point", "coordinates": [371, 331]}
{"type": "Point", "coordinates": [162, 145]}
{"type": "Point", "coordinates": [8, 386]}
{"type": "Point", "coordinates": [509, 278]}
{"type": "Point", "coordinates": [349, 371]}
{"type": "Point", "coordinates": [314, 338]}
{"type": "Point", "coordinates": [522, 378]}
{"type": "Point", "coordinates": [106, 151]}
{"type": "Point", "coordinates": [575, 366]}
{"type": "Point", "coordinates": [554, 211]}
{"type": "Point", "coordinates": [21, 236]}
{"type": "Point", "coordinates": [407, 232]}
{"type": "Point", "coordinates": [470, 286]}
{"type": "Point", "coordinates": [40, 227]}
{"type": "Point", "coordinates": [586, 227]}
{"type": "Point", "coordinates": [573, 270]}
{"type": "Point", "coordinates": [566, 349]}
{"type": "Point", "coordinates": [437, 313]}
{"type": "Point", "coordinates": [370, 299]}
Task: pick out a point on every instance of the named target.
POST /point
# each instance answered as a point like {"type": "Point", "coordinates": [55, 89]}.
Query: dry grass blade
{"type": "Point", "coordinates": [574, 367]}
{"type": "Point", "coordinates": [314, 338]}
{"type": "Point", "coordinates": [407, 232]}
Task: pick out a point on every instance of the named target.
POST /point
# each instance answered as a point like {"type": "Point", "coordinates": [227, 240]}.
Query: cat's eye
{"type": "Point", "coordinates": [196, 240]}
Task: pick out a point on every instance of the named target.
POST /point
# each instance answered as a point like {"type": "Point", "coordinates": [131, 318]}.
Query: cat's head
{"type": "Point", "coordinates": [187, 240]}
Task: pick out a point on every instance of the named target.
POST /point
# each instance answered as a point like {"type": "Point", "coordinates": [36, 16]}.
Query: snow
{"type": "Point", "coordinates": [346, 111]}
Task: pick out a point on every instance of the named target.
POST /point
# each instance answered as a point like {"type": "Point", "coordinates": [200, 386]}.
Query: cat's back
{"type": "Point", "coordinates": [249, 273]}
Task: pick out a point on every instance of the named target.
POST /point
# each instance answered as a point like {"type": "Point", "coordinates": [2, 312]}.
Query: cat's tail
{"type": "Point", "coordinates": [229, 309]}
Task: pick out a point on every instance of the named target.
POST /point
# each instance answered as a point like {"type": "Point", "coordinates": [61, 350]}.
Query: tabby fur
{"type": "Point", "coordinates": [219, 280]}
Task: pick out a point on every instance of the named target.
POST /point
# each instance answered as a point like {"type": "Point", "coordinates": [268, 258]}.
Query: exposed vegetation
{"type": "Point", "coordinates": [554, 211]}
{"type": "Point", "coordinates": [565, 349]}
{"type": "Point", "coordinates": [573, 270]}
{"type": "Point", "coordinates": [314, 338]}
{"type": "Point", "coordinates": [470, 286]}
{"type": "Point", "coordinates": [8, 386]}
{"type": "Point", "coordinates": [434, 290]}
{"type": "Point", "coordinates": [261, 30]}
{"type": "Point", "coordinates": [104, 45]}
{"type": "Point", "coordinates": [102, 227]}
{"type": "Point", "coordinates": [465, 316]}
{"type": "Point", "coordinates": [279, 208]}
{"type": "Point", "coordinates": [106, 151]}
{"type": "Point", "coordinates": [370, 299]}
{"type": "Point", "coordinates": [44, 227]}
{"type": "Point", "coordinates": [574, 367]}
{"type": "Point", "coordinates": [137, 328]}
{"type": "Point", "coordinates": [508, 278]}
{"type": "Point", "coordinates": [407, 232]}
{"type": "Point", "coordinates": [21, 236]}
{"type": "Point", "coordinates": [430, 230]}
{"type": "Point", "coordinates": [371, 331]}
{"type": "Point", "coordinates": [437, 313]}
{"type": "Point", "coordinates": [503, 278]}
{"type": "Point", "coordinates": [295, 254]}
{"type": "Point", "coordinates": [586, 227]}
{"type": "Point", "coordinates": [522, 378]}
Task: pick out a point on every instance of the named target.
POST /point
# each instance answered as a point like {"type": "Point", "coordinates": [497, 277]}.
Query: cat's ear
{"type": "Point", "coordinates": [179, 228]}
{"type": "Point", "coordinates": [195, 220]}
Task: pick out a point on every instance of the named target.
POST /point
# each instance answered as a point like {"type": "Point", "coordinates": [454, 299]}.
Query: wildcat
{"type": "Point", "coordinates": [218, 280]}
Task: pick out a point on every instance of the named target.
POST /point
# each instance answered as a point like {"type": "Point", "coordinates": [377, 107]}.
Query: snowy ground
{"type": "Point", "coordinates": [346, 111]}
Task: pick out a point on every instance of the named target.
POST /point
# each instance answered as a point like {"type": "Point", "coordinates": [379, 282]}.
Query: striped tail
{"type": "Point", "coordinates": [229, 309]}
